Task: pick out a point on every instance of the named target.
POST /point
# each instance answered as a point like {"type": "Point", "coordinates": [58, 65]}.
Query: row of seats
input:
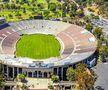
{"type": "Point", "coordinates": [67, 45]}
{"type": "Point", "coordinates": [4, 33]}
{"type": "Point", "coordinates": [53, 27]}
{"type": "Point", "coordinates": [9, 43]}
{"type": "Point", "coordinates": [81, 40]}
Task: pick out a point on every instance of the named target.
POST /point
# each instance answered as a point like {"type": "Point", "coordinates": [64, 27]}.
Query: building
{"type": "Point", "coordinates": [77, 45]}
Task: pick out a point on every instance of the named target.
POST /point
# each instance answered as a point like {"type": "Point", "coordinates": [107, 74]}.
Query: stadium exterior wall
{"type": "Point", "coordinates": [12, 71]}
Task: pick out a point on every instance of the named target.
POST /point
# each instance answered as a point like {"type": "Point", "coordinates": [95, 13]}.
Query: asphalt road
{"type": "Point", "coordinates": [102, 73]}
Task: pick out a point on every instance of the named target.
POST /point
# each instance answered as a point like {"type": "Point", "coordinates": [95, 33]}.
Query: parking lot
{"type": "Point", "coordinates": [101, 23]}
{"type": "Point", "coordinates": [102, 73]}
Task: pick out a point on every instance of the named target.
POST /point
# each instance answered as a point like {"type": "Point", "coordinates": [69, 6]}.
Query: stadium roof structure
{"type": "Point", "coordinates": [77, 43]}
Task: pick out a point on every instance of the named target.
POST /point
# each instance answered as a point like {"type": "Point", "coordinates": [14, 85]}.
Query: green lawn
{"type": "Point", "coordinates": [38, 46]}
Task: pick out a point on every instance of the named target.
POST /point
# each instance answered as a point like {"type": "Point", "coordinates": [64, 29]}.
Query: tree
{"type": "Point", "coordinates": [82, 75]}
{"type": "Point", "coordinates": [2, 79]}
{"type": "Point", "coordinates": [80, 68]}
{"type": "Point", "coordinates": [99, 2]}
{"type": "Point", "coordinates": [46, 14]}
{"type": "Point", "coordinates": [72, 13]}
{"type": "Point", "coordinates": [10, 16]}
{"type": "Point", "coordinates": [68, 8]}
{"type": "Point", "coordinates": [89, 27]}
{"type": "Point", "coordinates": [63, 10]}
{"type": "Point", "coordinates": [86, 19]}
{"type": "Point", "coordinates": [40, 6]}
{"type": "Point", "coordinates": [103, 52]}
{"type": "Point", "coordinates": [55, 78]}
{"type": "Point", "coordinates": [70, 73]}
{"type": "Point", "coordinates": [51, 87]}
{"type": "Point", "coordinates": [52, 6]}
{"type": "Point", "coordinates": [80, 13]}
{"type": "Point", "coordinates": [98, 32]}
{"type": "Point", "coordinates": [24, 87]}
{"type": "Point", "coordinates": [73, 6]}
{"type": "Point", "coordinates": [21, 77]}
{"type": "Point", "coordinates": [99, 43]}
{"type": "Point", "coordinates": [24, 10]}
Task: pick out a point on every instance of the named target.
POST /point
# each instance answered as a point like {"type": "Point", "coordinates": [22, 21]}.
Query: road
{"type": "Point", "coordinates": [102, 72]}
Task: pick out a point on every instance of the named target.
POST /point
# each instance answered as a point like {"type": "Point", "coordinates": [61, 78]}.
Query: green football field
{"type": "Point", "coordinates": [38, 46]}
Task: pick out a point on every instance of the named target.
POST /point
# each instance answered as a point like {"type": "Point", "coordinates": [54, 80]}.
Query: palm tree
{"type": "Point", "coordinates": [21, 77]}
{"type": "Point", "coordinates": [55, 78]}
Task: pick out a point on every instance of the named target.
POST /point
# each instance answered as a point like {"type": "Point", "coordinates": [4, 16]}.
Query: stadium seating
{"type": "Point", "coordinates": [76, 42]}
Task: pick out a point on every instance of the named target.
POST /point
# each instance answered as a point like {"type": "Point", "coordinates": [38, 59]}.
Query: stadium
{"type": "Point", "coordinates": [69, 45]}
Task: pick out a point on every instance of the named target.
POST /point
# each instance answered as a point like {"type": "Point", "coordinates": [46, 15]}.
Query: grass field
{"type": "Point", "coordinates": [38, 46]}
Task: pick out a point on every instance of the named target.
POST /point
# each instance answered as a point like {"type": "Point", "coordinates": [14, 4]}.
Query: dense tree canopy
{"type": "Point", "coordinates": [16, 10]}
{"type": "Point", "coordinates": [82, 76]}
